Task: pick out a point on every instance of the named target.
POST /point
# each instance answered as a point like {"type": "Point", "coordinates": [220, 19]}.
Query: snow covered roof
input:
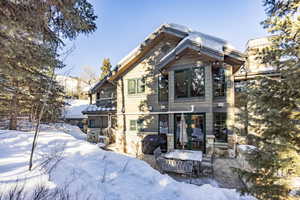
{"type": "Point", "coordinates": [74, 108]}
{"type": "Point", "coordinates": [95, 108]}
{"type": "Point", "coordinates": [213, 46]}
{"type": "Point", "coordinates": [206, 44]}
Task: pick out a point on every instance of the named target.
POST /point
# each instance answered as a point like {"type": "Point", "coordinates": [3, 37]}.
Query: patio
{"type": "Point", "coordinates": [184, 162]}
{"type": "Point", "coordinates": [222, 177]}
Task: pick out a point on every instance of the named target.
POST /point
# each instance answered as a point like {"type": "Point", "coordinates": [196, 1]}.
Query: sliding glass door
{"type": "Point", "coordinates": [195, 124]}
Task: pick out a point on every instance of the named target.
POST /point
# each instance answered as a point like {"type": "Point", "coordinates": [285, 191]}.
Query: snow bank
{"type": "Point", "coordinates": [91, 171]}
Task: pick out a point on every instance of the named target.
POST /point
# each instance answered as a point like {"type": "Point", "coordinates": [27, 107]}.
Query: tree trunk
{"type": "Point", "coordinates": [13, 113]}
{"type": "Point", "coordinates": [14, 110]}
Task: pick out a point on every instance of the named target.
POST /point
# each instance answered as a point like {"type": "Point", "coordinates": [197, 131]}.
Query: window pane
{"type": "Point", "coordinates": [181, 83]}
{"type": "Point", "coordinates": [103, 122]}
{"type": "Point", "coordinates": [131, 86]}
{"type": "Point", "coordinates": [197, 82]}
{"type": "Point", "coordinates": [163, 123]}
{"type": "Point", "coordinates": [132, 125]}
{"type": "Point", "coordinates": [140, 124]}
{"type": "Point", "coordinates": [91, 123]}
{"type": "Point", "coordinates": [140, 85]}
{"type": "Point", "coordinates": [163, 85]}
{"type": "Point", "coordinates": [113, 121]}
{"type": "Point", "coordinates": [219, 82]}
{"type": "Point", "coordinates": [220, 128]}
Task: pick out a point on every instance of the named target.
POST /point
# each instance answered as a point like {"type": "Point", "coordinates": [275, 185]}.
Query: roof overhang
{"type": "Point", "coordinates": [230, 56]}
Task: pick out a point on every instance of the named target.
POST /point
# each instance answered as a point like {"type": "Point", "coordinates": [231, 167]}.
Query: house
{"type": "Point", "coordinates": [102, 119]}
{"type": "Point", "coordinates": [174, 71]}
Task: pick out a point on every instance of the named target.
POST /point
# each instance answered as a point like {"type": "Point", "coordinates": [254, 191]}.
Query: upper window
{"type": "Point", "coordinates": [220, 127]}
{"type": "Point", "coordinates": [190, 82]}
{"type": "Point", "coordinates": [163, 88]}
{"type": "Point", "coordinates": [219, 82]}
{"type": "Point", "coordinates": [136, 86]}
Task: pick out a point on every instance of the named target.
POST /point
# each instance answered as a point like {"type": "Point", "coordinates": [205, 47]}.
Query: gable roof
{"type": "Point", "coordinates": [206, 44]}
{"type": "Point", "coordinates": [99, 84]}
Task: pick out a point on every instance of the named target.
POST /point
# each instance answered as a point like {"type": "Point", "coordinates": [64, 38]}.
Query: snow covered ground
{"type": "Point", "coordinates": [64, 158]}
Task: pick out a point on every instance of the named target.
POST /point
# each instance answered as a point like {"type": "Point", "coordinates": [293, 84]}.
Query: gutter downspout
{"type": "Point", "coordinates": [156, 113]}
{"type": "Point", "coordinates": [124, 116]}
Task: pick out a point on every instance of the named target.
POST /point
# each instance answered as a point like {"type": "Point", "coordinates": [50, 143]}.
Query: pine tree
{"type": "Point", "coordinates": [105, 68]}
{"type": "Point", "coordinates": [275, 104]}
{"type": "Point", "coordinates": [31, 34]}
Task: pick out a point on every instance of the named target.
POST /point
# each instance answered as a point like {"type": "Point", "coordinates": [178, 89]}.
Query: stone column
{"type": "Point", "coordinates": [170, 139]}
{"type": "Point", "coordinates": [209, 114]}
{"type": "Point", "coordinates": [210, 144]}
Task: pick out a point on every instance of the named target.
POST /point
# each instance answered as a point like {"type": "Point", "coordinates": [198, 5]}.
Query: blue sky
{"type": "Point", "coordinates": [123, 24]}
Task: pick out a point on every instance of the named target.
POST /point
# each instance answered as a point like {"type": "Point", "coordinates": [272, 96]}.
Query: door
{"type": "Point", "coordinates": [195, 131]}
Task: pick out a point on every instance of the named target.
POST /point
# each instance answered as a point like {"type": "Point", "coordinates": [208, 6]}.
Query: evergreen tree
{"type": "Point", "coordinates": [275, 104]}
{"type": "Point", "coordinates": [31, 34]}
{"type": "Point", "coordinates": [105, 68]}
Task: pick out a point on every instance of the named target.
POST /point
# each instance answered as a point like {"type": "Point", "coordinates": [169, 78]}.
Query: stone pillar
{"type": "Point", "coordinates": [232, 140]}
{"type": "Point", "coordinates": [209, 99]}
{"type": "Point", "coordinates": [210, 144]}
{"type": "Point", "coordinates": [170, 139]}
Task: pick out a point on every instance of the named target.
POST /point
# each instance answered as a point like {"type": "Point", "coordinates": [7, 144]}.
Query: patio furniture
{"type": "Point", "coordinates": [172, 165]}
{"type": "Point", "coordinates": [183, 162]}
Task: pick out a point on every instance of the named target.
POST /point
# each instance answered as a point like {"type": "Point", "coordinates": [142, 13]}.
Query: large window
{"type": "Point", "coordinates": [220, 127]}
{"type": "Point", "coordinates": [190, 82]}
{"type": "Point", "coordinates": [219, 82]}
{"type": "Point", "coordinates": [163, 122]}
{"type": "Point", "coordinates": [136, 86]}
{"type": "Point", "coordinates": [98, 122]}
{"type": "Point", "coordinates": [163, 88]}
